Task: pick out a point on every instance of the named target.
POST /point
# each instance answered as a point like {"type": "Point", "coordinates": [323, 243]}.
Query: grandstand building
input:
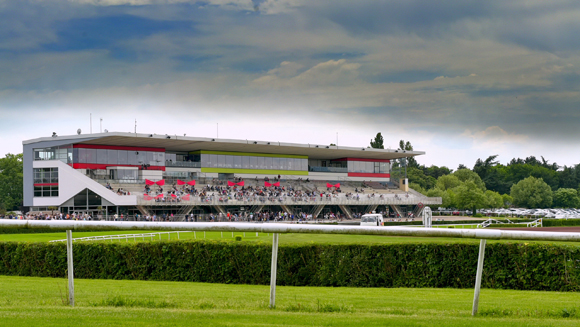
{"type": "Point", "coordinates": [107, 173]}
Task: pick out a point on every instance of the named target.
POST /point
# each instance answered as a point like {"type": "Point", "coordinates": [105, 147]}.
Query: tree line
{"type": "Point", "coordinates": [529, 182]}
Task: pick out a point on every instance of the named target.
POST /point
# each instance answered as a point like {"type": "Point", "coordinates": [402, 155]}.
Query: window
{"type": "Point", "coordinates": [275, 163]}
{"type": "Point", "coordinates": [45, 175]}
{"type": "Point", "coordinates": [132, 158]}
{"type": "Point", "coordinates": [113, 158]}
{"type": "Point", "coordinates": [237, 162]}
{"type": "Point", "coordinates": [253, 162]}
{"type": "Point", "coordinates": [46, 191]}
{"type": "Point", "coordinates": [101, 156]}
{"type": "Point", "coordinates": [245, 162]}
{"type": "Point", "coordinates": [269, 163]}
{"type": "Point", "coordinates": [123, 157]}
{"type": "Point", "coordinates": [229, 161]}
{"type": "Point", "coordinates": [221, 161]}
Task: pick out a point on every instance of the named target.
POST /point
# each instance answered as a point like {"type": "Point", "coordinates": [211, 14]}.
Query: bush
{"type": "Point", "coordinates": [507, 265]}
{"type": "Point", "coordinates": [238, 238]}
{"type": "Point", "coordinates": [546, 222]}
{"type": "Point", "coordinates": [477, 215]}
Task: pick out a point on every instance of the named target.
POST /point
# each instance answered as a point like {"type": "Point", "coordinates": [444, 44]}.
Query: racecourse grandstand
{"type": "Point", "coordinates": [109, 175]}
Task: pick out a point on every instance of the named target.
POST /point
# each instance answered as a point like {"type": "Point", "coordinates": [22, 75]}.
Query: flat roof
{"type": "Point", "coordinates": [176, 143]}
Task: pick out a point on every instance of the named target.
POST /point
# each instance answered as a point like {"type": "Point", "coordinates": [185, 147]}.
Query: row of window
{"type": "Point", "coordinates": [368, 167]}
{"type": "Point", "coordinates": [46, 191]}
{"type": "Point", "coordinates": [45, 175]}
{"type": "Point", "coordinates": [118, 157]}
{"type": "Point", "coordinates": [246, 162]}
{"type": "Point", "coordinates": [62, 153]}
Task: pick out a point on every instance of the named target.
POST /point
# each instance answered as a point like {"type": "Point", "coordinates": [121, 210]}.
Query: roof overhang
{"type": "Point", "coordinates": [174, 143]}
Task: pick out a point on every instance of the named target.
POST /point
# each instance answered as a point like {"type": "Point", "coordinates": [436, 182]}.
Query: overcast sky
{"type": "Point", "coordinates": [459, 79]}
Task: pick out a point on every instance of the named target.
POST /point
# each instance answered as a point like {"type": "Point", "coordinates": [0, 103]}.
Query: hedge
{"type": "Point", "coordinates": [560, 222]}
{"type": "Point", "coordinates": [517, 266]}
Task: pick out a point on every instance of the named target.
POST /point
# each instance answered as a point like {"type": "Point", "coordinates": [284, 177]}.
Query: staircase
{"type": "Point", "coordinates": [371, 207]}
{"type": "Point", "coordinates": [143, 211]}
{"type": "Point", "coordinates": [256, 208]}
{"type": "Point", "coordinates": [397, 210]}
{"type": "Point", "coordinates": [183, 212]}
{"type": "Point", "coordinates": [346, 210]}
{"type": "Point", "coordinates": [317, 210]}
{"type": "Point", "coordinates": [287, 209]}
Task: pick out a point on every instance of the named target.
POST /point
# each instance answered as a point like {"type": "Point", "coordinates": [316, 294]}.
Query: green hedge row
{"type": "Point", "coordinates": [560, 222]}
{"type": "Point", "coordinates": [507, 266]}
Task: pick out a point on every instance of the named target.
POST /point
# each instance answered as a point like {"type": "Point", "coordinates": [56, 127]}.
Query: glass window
{"type": "Point", "coordinates": [237, 162]}
{"type": "Point", "coordinates": [261, 163]}
{"type": "Point", "coordinates": [283, 163]}
{"type": "Point", "coordinates": [150, 159]}
{"type": "Point", "coordinates": [101, 156]}
{"type": "Point", "coordinates": [141, 157]}
{"type": "Point", "coordinates": [369, 167]}
{"type": "Point", "coordinates": [245, 162]}
{"type": "Point", "coordinates": [132, 158]}
{"type": "Point", "coordinates": [275, 163]}
{"type": "Point", "coordinates": [253, 162]}
{"type": "Point", "coordinates": [303, 164]}
{"type": "Point", "coordinates": [54, 191]}
{"type": "Point", "coordinates": [75, 155]}
{"type": "Point", "coordinates": [229, 162]}
{"type": "Point", "coordinates": [37, 191]}
{"type": "Point", "coordinates": [290, 163]}
{"type": "Point", "coordinates": [113, 157]}
{"type": "Point", "coordinates": [214, 160]}
{"type": "Point", "coordinates": [269, 163]}
{"type": "Point", "coordinates": [159, 158]}
{"type": "Point", "coordinates": [221, 161]}
{"type": "Point", "coordinates": [123, 157]}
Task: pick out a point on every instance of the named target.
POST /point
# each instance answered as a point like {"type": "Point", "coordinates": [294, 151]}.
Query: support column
{"type": "Point", "coordinates": [69, 257]}
{"type": "Point", "coordinates": [273, 270]}
{"type": "Point", "coordinates": [478, 277]}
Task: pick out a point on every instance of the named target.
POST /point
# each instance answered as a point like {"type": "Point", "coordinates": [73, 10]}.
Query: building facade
{"type": "Point", "coordinates": [80, 173]}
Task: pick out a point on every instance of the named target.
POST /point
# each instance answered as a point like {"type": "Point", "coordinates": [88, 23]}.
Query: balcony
{"type": "Point", "coordinates": [184, 164]}
{"type": "Point", "coordinates": [328, 169]}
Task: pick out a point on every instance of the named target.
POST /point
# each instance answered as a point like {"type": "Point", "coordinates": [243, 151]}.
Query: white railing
{"type": "Point", "coordinates": [535, 223]}
{"type": "Point", "coordinates": [126, 237]}
{"type": "Point", "coordinates": [217, 200]}
{"type": "Point", "coordinates": [482, 234]}
{"type": "Point", "coordinates": [489, 222]}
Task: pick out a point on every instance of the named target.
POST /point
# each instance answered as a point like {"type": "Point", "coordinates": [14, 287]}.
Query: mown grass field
{"type": "Point", "coordinates": [30, 301]}
{"type": "Point", "coordinates": [263, 237]}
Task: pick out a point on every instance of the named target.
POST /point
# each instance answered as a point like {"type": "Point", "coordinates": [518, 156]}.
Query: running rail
{"type": "Point", "coordinates": [277, 228]}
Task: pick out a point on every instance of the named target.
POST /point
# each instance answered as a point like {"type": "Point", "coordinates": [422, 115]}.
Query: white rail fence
{"type": "Point", "coordinates": [125, 237]}
{"type": "Point", "coordinates": [481, 234]}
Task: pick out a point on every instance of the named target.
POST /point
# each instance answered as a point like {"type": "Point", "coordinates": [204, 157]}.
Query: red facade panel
{"type": "Point", "coordinates": [369, 175]}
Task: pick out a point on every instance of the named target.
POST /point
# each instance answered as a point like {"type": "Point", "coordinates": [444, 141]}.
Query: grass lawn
{"type": "Point", "coordinates": [31, 301]}
{"type": "Point", "coordinates": [263, 237]}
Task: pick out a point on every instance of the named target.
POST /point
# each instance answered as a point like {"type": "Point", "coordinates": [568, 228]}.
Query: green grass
{"type": "Point", "coordinates": [263, 237]}
{"type": "Point", "coordinates": [30, 301]}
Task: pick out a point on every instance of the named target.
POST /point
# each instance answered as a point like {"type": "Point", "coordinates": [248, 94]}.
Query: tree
{"type": "Point", "coordinates": [447, 182]}
{"type": "Point", "coordinates": [465, 175]}
{"type": "Point", "coordinates": [377, 143]}
{"type": "Point", "coordinates": [566, 198]}
{"type": "Point", "coordinates": [507, 200]}
{"type": "Point", "coordinates": [470, 196]}
{"type": "Point", "coordinates": [406, 146]}
{"type": "Point", "coordinates": [11, 182]}
{"type": "Point", "coordinates": [482, 167]}
{"type": "Point", "coordinates": [493, 199]}
{"type": "Point", "coordinates": [532, 192]}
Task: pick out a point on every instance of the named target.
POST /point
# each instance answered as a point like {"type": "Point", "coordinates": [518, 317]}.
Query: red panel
{"type": "Point", "coordinates": [46, 184]}
{"type": "Point", "coordinates": [104, 166]}
{"type": "Point", "coordinates": [114, 147]}
{"type": "Point", "coordinates": [369, 175]}
{"type": "Point", "coordinates": [362, 159]}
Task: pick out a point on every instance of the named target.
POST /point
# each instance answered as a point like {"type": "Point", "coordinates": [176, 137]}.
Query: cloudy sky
{"type": "Point", "coordinates": [459, 79]}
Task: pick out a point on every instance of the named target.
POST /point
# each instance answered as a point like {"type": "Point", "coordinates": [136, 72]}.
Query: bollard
{"type": "Point", "coordinates": [69, 257]}
{"type": "Point", "coordinates": [478, 277]}
{"type": "Point", "coordinates": [273, 270]}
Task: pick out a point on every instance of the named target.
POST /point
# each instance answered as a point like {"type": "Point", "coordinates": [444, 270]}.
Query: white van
{"type": "Point", "coordinates": [371, 219]}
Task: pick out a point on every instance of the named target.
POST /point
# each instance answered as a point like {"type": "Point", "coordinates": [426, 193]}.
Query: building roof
{"type": "Point", "coordinates": [174, 143]}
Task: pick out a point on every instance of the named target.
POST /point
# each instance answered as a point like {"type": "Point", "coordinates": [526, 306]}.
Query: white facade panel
{"type": "Point", "coordinates": [71, 182]}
